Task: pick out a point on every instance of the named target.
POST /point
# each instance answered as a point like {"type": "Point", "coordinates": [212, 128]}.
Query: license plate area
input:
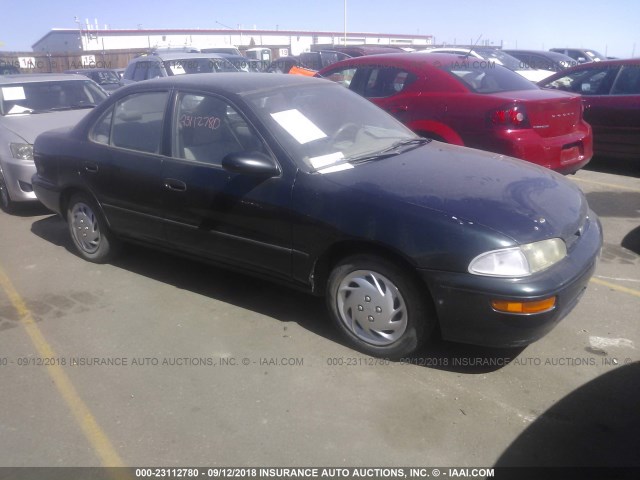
{"type": "Point", "coordinates": [571, 153]}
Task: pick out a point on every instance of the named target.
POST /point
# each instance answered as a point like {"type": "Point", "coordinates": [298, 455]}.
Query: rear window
{"type": "Point", "coordinates": [487, 77]}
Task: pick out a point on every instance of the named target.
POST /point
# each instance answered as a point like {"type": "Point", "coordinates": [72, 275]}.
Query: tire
{"type": "Point", "coordinates": [378, 307]}
{"type": "Point", "coordinates": [6, 204]}
{"type": "Point", "coordinates": [89, 231]}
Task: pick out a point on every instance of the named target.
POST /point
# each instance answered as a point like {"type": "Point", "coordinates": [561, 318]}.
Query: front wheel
{"type": "Point", "coordinates": [6, 203]}
{"type": "Point", "coordinates": [378, 307]}
{"type": "Point", "coordinates": [89, 231]}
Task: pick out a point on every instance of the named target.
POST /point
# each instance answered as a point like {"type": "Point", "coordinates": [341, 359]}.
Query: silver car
{"type": "Point", "coordinates": [30, 105]}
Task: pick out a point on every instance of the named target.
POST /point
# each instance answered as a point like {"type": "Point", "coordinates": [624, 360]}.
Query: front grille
{"type": "Point", "coordinates": [582, 229]}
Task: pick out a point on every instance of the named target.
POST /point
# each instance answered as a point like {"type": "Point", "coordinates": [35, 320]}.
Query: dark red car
{"type": "Point", "coordinates": [475, 103]}
{"type": "Point", "coordinates": [611, 97]}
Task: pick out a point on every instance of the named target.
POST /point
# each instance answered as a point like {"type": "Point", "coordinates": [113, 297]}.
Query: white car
{"type": "Point", "coordinates": [498, 56]}
{"type": "Point", "coordinates": [30, 105]}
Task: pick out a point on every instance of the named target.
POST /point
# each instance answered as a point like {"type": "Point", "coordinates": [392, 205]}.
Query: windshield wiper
{"type": "Point", "coordinates": [72, 107]}
{"type": "Point", "coordinates": [396, 149]}
{"type": "Point", "coordinates": [413, 142]}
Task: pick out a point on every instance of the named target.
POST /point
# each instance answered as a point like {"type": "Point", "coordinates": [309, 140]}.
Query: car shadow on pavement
{"type": "Point", "coordinates": [631, 240]}
{"type": "Point", "coordinates": [621, 204]}
{"type": "Point", "coordinates": [596, 425]}
{"type": "Point", "coordinates": [616, 166]}
{"type": "Point", "coordinates": [29, 209]}
{"type": "Point", "coordinates": [271, 299]}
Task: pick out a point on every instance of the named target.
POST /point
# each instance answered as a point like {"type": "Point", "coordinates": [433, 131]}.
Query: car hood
{"type": "Point", "coordinates": [29, 126]}
{"type": "Point", "coordinates": [535, 75]}
{"type": "Point", "coordinates": [515, 198]}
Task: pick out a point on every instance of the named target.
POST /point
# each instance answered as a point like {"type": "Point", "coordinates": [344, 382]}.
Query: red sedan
{"type": "Point", "coordinates": [611, 96]}
{"type": "Point", "coordinates": [475, 103]}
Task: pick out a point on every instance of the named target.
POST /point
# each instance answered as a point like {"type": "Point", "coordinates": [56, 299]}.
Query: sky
{"type": "Point", "coordinates": [611, 27]}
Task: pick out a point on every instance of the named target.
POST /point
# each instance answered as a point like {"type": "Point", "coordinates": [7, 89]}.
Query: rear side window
{"type": "Point", "coordinates": [482, 76]}
{"type": "Point", "coordinates": [147, 70]}
{"type": "Point", "coordinates": [134, 123]}
{"type": "Point", "coordinates": [387, 81]}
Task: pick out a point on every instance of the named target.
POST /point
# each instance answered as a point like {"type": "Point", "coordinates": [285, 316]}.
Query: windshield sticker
{"type": "Point", "coordinates": [177, 69]}
{"type": "Point", "coordinates": [336, 168]}
{"type": "Point", "coordinates": [13, 93]}
{"type": "Point", "coordinates": [190, 121]}
{"type": "Point", "coordinates": [18, 109]}
{"type": "Point", "coordinates": [298, 126]}
{"type": "Point", "coordinates": [326, 160]}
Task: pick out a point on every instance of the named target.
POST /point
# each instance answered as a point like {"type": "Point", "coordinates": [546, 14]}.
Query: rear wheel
{"type": "Point", "coordinates": [89, 231]}
{"type": "Point", "coordinates": [379, 307]}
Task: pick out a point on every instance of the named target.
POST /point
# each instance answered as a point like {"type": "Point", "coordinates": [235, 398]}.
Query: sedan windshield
{"type": "Point", "coordinates": [41, 97]}
{"type": "Point", "coordinates": [502, 58]}
{"type": "Point", "coordinates": [327, 126]}
{"type": "Point", "coordinates": [105, 77]}
{"type": "Point", "coordinates": [199, 65]}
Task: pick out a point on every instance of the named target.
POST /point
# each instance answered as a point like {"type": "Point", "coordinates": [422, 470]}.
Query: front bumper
{"type": "Point", "coordinates": [17, 176]}
{"type": "Point", "coordinates": [463, 300]}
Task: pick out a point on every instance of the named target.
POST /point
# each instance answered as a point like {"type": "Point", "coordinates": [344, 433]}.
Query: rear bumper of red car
{"type": "Point", "coordinates": [564, 153]}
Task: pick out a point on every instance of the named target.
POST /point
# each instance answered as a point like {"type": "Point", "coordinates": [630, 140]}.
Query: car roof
{"type": "Point", "coordinates": [177, 56]}
{"type": "Point", "coordinates": [232, 82]}
{"type": "Point", "coordinates": [402, 59]}
{"type": "Point", "coordinates": [89, 70]}
{"type": "Point", "coordinates": [40, 77]}
{"type": "Point", "coordinates": [546, 53]}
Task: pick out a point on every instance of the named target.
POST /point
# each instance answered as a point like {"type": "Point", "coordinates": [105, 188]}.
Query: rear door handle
{"type": "Point", "coordinates": [90, 167]}
{"type": "Point", "coordinates": [398, 109]}
{"type": "Point", "coordinates": [175, 185]}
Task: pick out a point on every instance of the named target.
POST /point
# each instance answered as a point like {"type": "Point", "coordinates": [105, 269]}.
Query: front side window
{"type": "Point", "coordinates": [343, 76]}
{"type": "Point", "coordinates": [628, 81]}
{"type": "Point", "coordinates": [588, 81]}
{"type": "Point", "coordinates": [206, 129]}
{"type": "Point", "coordinates": [136, 123]}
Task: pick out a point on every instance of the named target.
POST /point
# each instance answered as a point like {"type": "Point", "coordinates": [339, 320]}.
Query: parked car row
{"type": "Point", "coordinates": [461, 101]}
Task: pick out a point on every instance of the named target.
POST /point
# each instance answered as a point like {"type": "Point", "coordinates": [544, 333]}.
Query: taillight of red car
{"type": "Point", "coordinates": [510, 116]}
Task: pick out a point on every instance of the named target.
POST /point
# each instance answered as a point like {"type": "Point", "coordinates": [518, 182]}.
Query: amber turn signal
{"type": "Point", "coordinates": [534, 306]}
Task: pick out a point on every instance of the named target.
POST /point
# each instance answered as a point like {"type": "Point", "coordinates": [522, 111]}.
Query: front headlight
{"type": "Point", "coordinates": [22, 151]}
{"type": "Point", "coordinates": [519, 261]}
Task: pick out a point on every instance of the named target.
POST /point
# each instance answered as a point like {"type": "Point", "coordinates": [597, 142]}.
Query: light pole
{"type": "Point", "coordinates": [345, 23]}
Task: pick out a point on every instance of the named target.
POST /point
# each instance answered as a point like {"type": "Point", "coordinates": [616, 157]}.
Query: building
{"type": "Point", "coordinates": [86, 38]}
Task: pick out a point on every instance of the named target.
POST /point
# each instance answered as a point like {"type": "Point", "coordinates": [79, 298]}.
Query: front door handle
{"type": "Point", "coordinates": [175, 185]}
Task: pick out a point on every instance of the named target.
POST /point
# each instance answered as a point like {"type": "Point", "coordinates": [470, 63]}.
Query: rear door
{"type": "Point", "coordinates": [125, 165]}
{"type": "Point", "coordinates": [231, 218]}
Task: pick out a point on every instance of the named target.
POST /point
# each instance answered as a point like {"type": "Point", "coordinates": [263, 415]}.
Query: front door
{"type": "Point", "coordinates": [230, 218]}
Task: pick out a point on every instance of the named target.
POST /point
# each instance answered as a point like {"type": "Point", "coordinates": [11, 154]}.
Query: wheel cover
{"type": "Point", "coordinates": [84, 228]}
{"type": "Point", "coordinates": [372, 308]}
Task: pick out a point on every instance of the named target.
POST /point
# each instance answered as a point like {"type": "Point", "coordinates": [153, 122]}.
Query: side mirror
{"type": "Point", "coordinates": [251, 163]}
